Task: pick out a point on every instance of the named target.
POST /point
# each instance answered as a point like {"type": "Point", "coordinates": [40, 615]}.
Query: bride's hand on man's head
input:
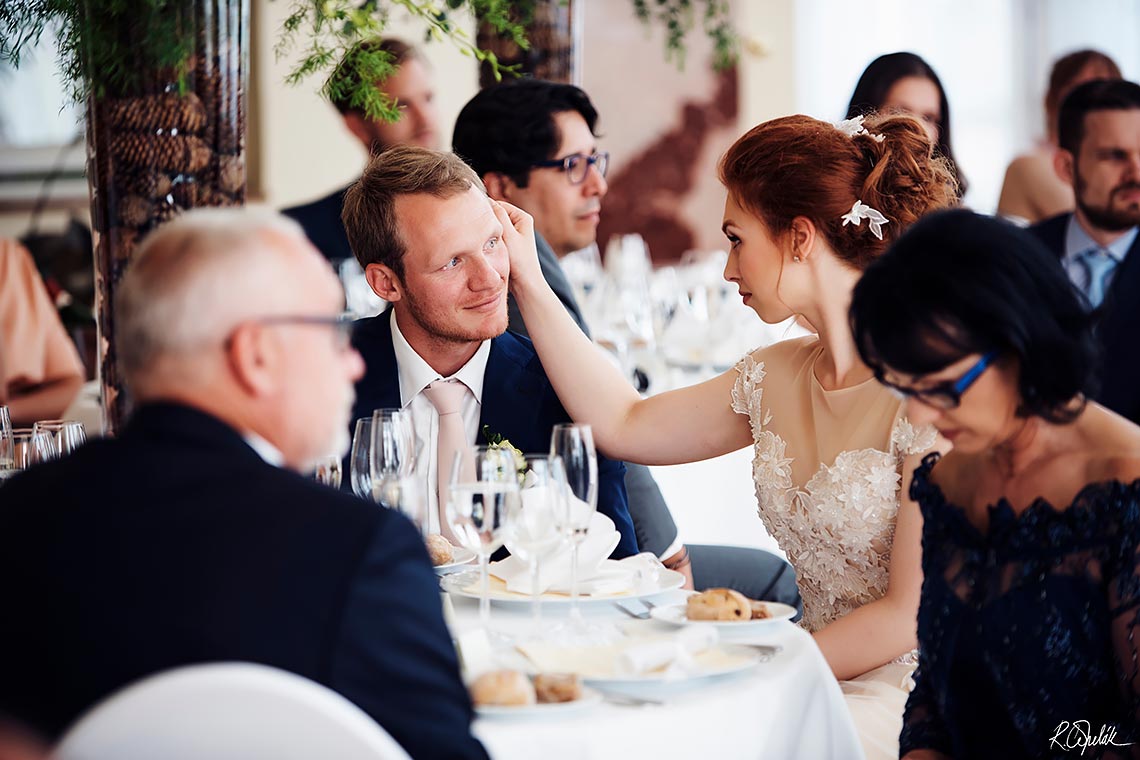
{"type": "Point", "coordinates": [518, 237]}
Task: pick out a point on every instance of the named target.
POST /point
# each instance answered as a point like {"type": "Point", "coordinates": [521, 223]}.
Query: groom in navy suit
{"type": "Point", "coordinates": [1099, 243]}
{"type": "Point", "coordinates": [425, 233]}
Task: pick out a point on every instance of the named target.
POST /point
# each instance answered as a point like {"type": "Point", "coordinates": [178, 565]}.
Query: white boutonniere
{"type": "Point", "coordinates": [497, 441]}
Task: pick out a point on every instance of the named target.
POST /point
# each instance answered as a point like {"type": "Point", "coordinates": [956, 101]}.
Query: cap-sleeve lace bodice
{"type": "Point", "coordinates": [827, 475]}
{"type": "Point", "coordinates": [1029, 628]}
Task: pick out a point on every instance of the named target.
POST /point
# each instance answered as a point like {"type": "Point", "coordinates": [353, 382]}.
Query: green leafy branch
{"type": "Point", "coordinates": [678, 18]}
{"type": "Point", "coordinates": [331, 29]}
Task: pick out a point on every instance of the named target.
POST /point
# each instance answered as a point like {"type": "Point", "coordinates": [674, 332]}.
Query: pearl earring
{"type": "Point", "coordinates": [796, 259]}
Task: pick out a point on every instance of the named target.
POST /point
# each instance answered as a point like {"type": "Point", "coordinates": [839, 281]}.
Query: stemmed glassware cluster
{"type": "Point", "coordinates": [533, 504]}
{"type": "Point", "coordinates": [21, 448]}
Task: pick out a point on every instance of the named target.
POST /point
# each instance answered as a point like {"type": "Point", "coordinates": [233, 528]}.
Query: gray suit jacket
{"type": "Point", "coordinates": [556, 278]}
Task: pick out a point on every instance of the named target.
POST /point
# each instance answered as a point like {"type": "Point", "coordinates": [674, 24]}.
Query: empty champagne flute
{"type": "Point", "coordinates": [574, 444]}
{"type": "Point", "coordinates": [533, 531]}
{"type": "Point", "coordinates": [360, 460]}
{"type": "Point", "coordinates": [481, 498]}
{"type": "Point", "coordinates": [67, 435]}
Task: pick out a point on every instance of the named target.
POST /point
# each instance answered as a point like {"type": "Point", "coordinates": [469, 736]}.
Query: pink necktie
{"type": "Point", "coordinates": [447, 398]}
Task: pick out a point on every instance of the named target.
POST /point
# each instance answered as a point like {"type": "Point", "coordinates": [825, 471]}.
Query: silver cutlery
{"type": "Point", "coordinates": [643, 615]}
{"type": "Point", "coordinates": [626, 700]}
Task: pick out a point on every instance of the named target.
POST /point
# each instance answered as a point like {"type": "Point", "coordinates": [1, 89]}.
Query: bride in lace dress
{"type": "Point", "coordinates": [809, 206]}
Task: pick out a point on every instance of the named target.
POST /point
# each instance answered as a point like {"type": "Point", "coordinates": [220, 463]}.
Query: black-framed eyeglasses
{"type": "Point", "coordinates": [341, 324]}
{"type": "Point", "coordinates": [947, 395]}
{"type": "Point", "coordinates": [577, 165]}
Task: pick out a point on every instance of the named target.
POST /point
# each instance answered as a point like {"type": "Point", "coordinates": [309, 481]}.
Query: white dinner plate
{"type": "Point", "coordinates": [467, 584]}
{"type": "Point", "coordinates": [674, 614]}
{"type": "Point", "coordinates": [721, 660]}
{"type": "Point", "coordinates": [459, 558]}
{"type": "Point", "coordinates": [588, 699]}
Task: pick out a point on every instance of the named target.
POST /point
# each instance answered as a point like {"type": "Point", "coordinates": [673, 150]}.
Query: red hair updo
{"type": "Point", "coordinates": [797, 166]}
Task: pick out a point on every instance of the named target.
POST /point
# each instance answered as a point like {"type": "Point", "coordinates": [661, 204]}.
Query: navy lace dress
{"type": "Point", "coordinates": [1028, 633]}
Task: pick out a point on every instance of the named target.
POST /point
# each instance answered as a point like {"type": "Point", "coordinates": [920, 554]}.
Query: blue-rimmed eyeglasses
{"type": "Point", "coordinates": [577, 165]}
{"type": "Point", "coordinates": [947, 395]}
{"type": "Point", "coordinates": [340, 323]}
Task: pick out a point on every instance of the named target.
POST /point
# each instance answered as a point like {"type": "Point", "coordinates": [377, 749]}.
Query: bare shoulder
{"type": "Point", "coordinates": [1115, 446]}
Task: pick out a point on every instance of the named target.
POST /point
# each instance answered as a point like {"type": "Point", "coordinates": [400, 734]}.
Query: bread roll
{"type": "Point", "coordinates": [760, 610]}
{"type": "Point", "coordinates": [439, 549]}
{"type": "Point", "coordinates": [557, 687]}
{"type": "Point", "coordinates": [721, 604]}
{"type": "Point", "coordinates": [505, 688]}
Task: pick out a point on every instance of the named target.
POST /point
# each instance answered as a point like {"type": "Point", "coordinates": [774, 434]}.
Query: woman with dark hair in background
{"type": "Point", "coordinates": [904, 83]}
{"type": "Point", "coordinates": [1032, 191]}
{"type": "Point", "coordinates": [1031, 525]}
{"type": "Point", "coordinates": [810, 205]}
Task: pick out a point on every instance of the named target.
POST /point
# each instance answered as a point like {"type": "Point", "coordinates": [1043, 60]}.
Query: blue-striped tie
{"type": "Point", "coordinates": [1099, 265]}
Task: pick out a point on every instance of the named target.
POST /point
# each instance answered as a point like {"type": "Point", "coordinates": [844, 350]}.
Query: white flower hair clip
{"type": "Point", "coordinates": [861, 211]}
{"type": "Point", "coordinates": [854, 126]}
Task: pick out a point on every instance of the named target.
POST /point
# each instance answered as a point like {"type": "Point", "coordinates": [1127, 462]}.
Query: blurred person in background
{"type": "Point", "coordinates": [905, 83]}
{"type": "Point", "coordinates": [40, 369]}
{"type": "Point", "coordinates": [1032, 191]}
{"type": "Point", "coordinates": [1099, 242]}
{"type": "Point", "coordinates": [412, 89]}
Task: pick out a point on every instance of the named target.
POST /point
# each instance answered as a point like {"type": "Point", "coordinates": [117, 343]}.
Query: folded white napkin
{"type": "Point", "coordinates": [672, 655]}
{"type": "Point", "coordinates": [554, 569]}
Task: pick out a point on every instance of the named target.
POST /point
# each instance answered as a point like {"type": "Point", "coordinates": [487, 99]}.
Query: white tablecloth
{"type": "Point", "coordinates": [789, 707]}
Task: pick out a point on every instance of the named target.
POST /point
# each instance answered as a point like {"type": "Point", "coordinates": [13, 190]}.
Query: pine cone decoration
{"type": "Point", "coordinates": [135, 211]}
{"type": "Point", "coordinates": [144, 182]}
{"type": "Point", "coordinates": [124, 240]}
{"type": "Point", "coordinates": [166, 212]}
{"type": "Point", "coordinates": [170, 112]}
{"type": "Point", "coordinates": [178, 154]}
{"type": "Point", "coordinates": [185, 194]}
{"type": "Point", "coordinates": [231, 173]}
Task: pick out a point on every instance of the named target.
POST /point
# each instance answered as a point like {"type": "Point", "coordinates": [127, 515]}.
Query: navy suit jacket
{"type": "Point", "coordinates": [177, 544]}
{"type": "Point", "coordinates": [323, 226]}
{"type": "Point", "coordinates": [518, 403]}
{"type": "Point", "coordinates": [1118, 324]}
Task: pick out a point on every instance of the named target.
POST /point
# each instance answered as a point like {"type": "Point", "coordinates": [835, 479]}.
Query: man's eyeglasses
{"type": "Point", "coordinates": [947, 395]}
{"type": "Point", "coordinates": [341, 324]}
{"type": "Point", "coordinates": [577, 166]}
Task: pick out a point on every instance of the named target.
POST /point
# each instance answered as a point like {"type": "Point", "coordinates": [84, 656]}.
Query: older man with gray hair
{"type": "Point", "coordinates": [192, 537]}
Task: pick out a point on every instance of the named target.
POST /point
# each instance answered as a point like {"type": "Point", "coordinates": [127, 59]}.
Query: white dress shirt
{"type": "Point", "coordinates": [1077, 242]}
{"type": "Point", "coordinates": [266, 450]}
{"type": "Point", "coordinates": [416, 374]}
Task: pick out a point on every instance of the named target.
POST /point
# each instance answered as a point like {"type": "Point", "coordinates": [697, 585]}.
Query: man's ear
{"type": "Point", "coordinates": [358, 125]}
{"type": "Point", "coordinates": [499, 186]}
{"type": "Point", "coordinates": [384, 282]}
{"type": "Point", "coordinates": [1063, 164]}
{"type": "Point", "coordinates": [253, 354]}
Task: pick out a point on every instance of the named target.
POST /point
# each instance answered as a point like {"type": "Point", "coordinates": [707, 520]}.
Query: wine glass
{"type": "Point", "coordinates": [483, 491]}
{"type": "Point", "coordinates": [7, 466]}
{"type": "Point", "coordinates": [574, 444]}
{"type": "Point", "coordinates": [30, 447]}
{"type": "Point", "coordinates": [393, 452]}
{"type": "Point", "coordinates": [533, 530]}
{"type": "Point", "coordinates": [328, 471]}
{"type": "Point", "coordinates": [67, 435]}
{"type": "Point", "coordinates": [360, 460]}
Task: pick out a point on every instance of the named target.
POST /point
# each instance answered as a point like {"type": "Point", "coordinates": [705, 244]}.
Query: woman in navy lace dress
{"type": "Point", "coordinates": [1029, 624]}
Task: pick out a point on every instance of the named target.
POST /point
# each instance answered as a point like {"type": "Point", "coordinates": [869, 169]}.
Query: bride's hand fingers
{"type": "Point", "coordinates": [513, 219]}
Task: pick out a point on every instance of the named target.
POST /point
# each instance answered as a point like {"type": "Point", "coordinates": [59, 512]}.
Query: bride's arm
{"type": "Point", "coordinates": [680, 426]}
{"type": "Point", "coordinates": [884, 629]}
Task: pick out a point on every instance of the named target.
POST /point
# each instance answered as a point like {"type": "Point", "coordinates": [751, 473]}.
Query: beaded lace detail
{"type": "Point", "coordinates": [838, 527]}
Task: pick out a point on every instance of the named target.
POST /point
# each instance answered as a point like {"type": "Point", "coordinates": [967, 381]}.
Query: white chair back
{"type": "Point", "coordinates": [227, 711]}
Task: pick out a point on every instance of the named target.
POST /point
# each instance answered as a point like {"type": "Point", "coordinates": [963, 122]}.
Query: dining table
{"type": "Point", "coordinates": [786, 705]}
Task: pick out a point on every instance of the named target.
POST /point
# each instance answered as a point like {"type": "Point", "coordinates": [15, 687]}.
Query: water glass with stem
{"type": "Point", "coordinates": [67, 435]}
{"type": "Point", "coordinates": [359, 470]}
{"type": "Point", "coordinates": [574, 444]}
{"type": "Point", "coordinates": [482, 495]}
{"type": "Point", "coordinates": [7, 465]}
{"type": "Point", "coordinates": [533, 531]}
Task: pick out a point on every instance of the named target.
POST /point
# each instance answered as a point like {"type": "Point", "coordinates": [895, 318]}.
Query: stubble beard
{"type": "Point", "coordinates": [1105, 217]}
{"type": "Point", "coordinates": [447, 333]}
